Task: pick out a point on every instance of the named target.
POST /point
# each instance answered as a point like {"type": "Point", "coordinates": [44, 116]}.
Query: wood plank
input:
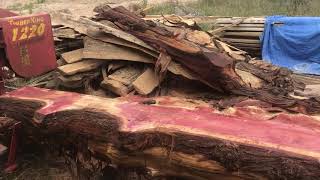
{"type": "Point", "coordinates": [240, 25]}
{"type": "Point", "coordinates": [95, 49]}
{"type": "Point", "coordinates": [242, 34]}
{"type": "Point", "coordinates": [81, 25]}
{"type": "Point", "coordinates": [78, 67]}
{"type": "Point", "coordinates": [109, 38]}
{"type": "Point", "coordinates": [234, 40]}
{"type": "Point", "coordinates": [307, 79]}
{"type": "Point", "coordinates": [250, 20]}
{"type": "Point", "coordinates": [72, 56]}
{"type": "Point", "coordinates": [147, 82]}
{"type": "Point", "coordinates": [180, 70]}
{"type": "Point", "coordinates": [77, 80]}
{"type": "Point", "coordinates": [115, 87]}
{"type": "Point", "coordinates": [244, 29]}
{"type": "Point", "coordinates": [246, 45]}
{"type": "Point", "coordinates": [128, 74]}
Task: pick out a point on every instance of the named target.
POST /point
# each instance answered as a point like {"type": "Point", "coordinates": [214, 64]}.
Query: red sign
{"type": "Point", "coordinates": [29, 44]}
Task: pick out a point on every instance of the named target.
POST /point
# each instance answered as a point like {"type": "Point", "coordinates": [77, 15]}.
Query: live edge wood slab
{"type": "Point", "coordinates": [174, 136]}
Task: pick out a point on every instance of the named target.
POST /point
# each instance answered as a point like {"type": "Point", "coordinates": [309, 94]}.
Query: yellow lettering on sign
{"type": "Point", "coordinates": [28, 32]}
{"type": "Point", "coordinates": [25, 22]}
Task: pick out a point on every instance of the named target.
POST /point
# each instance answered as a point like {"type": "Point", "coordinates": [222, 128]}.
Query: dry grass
{"type": "Point", "coordinates": [241, 7]}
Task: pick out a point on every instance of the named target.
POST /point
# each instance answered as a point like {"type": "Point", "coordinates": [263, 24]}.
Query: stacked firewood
{"type": "Point", "coordinates": [243, 33]}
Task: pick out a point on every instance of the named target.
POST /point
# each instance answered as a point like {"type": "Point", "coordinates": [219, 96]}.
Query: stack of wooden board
{"type": "Point", "coordinates": [243, 33]}
{"type": "Point", "coordinates": [66, 39]}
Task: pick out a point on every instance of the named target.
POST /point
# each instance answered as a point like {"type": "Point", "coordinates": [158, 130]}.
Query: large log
{"type": "Point", "coordinates": [173, 136]}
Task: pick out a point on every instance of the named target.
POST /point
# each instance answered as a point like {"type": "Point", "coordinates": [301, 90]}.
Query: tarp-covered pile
{"type": "Point", "coordinates": [293, 42]}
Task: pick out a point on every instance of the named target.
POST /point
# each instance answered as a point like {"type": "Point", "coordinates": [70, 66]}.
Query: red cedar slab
{"type": "Point", "coordinates": [291, 137]}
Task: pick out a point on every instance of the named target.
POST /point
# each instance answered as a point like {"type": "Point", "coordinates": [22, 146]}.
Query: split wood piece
{"type": "Point", "coordinates": [96, 49]}
{"type": "Point", "coordinates": [199, 37]}
{"type": "Point", "coordinates": [77, 80]}
{"type": "Point", "coordinates": [243, 34]}
{"type": "Point", "coordinates": [178, 69]}
{"type": "Point", "coordinates": [120, 82]}
{"type": "Point", "coordinates": [72, 56]}
{"type": "Point", "coordinates": [66, 33]}
{"type": "Point", "coordinates": [115, 87]}
{"type": "Point", "coordinates": [237, 55]}
{"type": "Point", "coordinates": [128, 74]}
{"type": "Point", "coordinates": [97, 34]}
{"type": "Point", "coordinates": [147, 82]}
{"type": "Point", "coordinates": [172, 21]}
{"type": "Point", "coordinates": [250, 79]}
{"type": "Point", "coordinates": [250, 20]}
{"type": "Point", "coordinates": [115, 65]}
{"type": "Point", "coordinates": [78, 67]}
{"type": "Point", "coordinates": [243, 143]}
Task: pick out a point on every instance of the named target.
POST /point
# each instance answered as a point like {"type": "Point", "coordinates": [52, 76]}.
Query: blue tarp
{"type": "Point", "coordinates": [292, 42]}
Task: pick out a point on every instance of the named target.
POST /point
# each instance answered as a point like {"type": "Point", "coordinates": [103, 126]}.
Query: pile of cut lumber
{"type": "Point", "coordinates": [66, 39]}
{"type": "Point", "coordinates": [243, 33]}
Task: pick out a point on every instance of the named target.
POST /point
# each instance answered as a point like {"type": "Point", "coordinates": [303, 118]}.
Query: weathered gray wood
{"type": "Point", "coordinates": [72, 56]}
{"type": "Point", "coordinates": [147, 82]}
{"type": "Point", "coordinates": [249, 41]}
{"type": "Point", "coordinates": [78, 67]}
{"type": "Point", "coordinates": [243, 34]}
{"type": "Point", "coordinates": [127, 75]}
{"type": "Point", "coordinates": [116, 87]}
{"type": "Point", "coordinates": [109, 38]}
